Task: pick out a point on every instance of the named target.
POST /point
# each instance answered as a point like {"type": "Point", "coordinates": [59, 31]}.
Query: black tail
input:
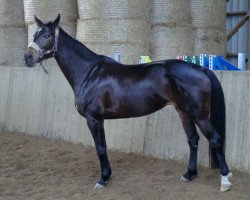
{"type": "Point", "coordinates": [217, 114]}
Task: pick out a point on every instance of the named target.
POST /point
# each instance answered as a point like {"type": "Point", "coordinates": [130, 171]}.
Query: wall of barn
{"type": "Point", "coordinates": [42, 105]}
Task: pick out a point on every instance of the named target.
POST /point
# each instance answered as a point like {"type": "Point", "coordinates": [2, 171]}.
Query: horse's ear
{"type": "Point", "coordinates": [56, 21]}
{"type": "Point", "coordinates": [38, 21]}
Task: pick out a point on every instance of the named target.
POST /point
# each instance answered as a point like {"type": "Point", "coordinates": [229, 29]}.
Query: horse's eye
{"type": "Point", "coordinates": [46, 35]}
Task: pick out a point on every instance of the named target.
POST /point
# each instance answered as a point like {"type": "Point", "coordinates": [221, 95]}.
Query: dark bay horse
{"type": "Point", "coordinates": [106, 89]}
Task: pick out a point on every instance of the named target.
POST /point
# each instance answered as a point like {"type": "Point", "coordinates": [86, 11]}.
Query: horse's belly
{"type": "Point", "coordinates": [135, 107]}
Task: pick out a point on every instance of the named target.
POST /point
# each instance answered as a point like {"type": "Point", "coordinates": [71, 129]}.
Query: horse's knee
{"type": "Point", "coordinates": [94, 124]}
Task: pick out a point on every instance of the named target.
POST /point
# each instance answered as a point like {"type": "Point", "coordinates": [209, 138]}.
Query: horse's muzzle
{"type": "Point", "coordinates": [28, 59]}
{"type": "Point", "coordinates": [31, 58]}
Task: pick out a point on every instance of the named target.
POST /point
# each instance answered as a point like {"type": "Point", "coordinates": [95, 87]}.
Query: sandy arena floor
{"type": "Point", "coordinates": [37, 168]}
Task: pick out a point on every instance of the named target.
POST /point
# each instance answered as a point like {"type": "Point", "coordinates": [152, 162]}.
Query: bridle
{"type": "Point", "coordinates": [42, 52]}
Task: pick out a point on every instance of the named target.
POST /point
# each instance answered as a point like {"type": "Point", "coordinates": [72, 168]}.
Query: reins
{"type": "Point", "coordinates": [42, 52]}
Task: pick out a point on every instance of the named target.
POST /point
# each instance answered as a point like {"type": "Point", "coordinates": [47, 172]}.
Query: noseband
{"type": "Point", "coordinates": [42, 52]}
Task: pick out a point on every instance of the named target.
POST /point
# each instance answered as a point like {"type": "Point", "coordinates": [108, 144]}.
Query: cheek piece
{"type": "Point", "coordinates": [42, 52]}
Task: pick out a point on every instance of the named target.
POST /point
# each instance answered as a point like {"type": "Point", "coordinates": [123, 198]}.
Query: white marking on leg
{"type": "Point", "coordinates": [183, 179]}
{"type": "Point", "coordinates": [225, 183]}
{"type": "Point", "coordinates": [99, 186]}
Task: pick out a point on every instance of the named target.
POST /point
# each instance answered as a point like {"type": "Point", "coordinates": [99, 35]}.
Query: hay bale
{"type": "Point", "coordinates": [114, 9]}
{"type": "Point", "coordinates": [208, 13]}
{"type": "Point", "coordinates": [209, 41]}
{"type": "Point", "coordinates": [13, 43]}
{"type": "Point", "coordinates": [168, 42]}
{"type": "Point", "coordinates": [130, 53]}
{"type": "Point", "coordinates": [69, 27]}
{"type": "Point", "coordinates": [171, 30]}
{"type": "Point", "coordinates": [11, 13]}
{"type": "Point", "coordinates": [127, 36]}
{"type": "Point", "coordinates": [48, 10]}
{"type": "Point", "coordinates": [172, 12]}
{"type": "Point", "coordinates": [113, 31]}
{"type": "Point", "coordinates": [209, 22]}
{"type": "Point", "coordinates": [110, 26]}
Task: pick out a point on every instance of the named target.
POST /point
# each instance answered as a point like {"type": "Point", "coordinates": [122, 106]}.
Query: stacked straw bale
{"type": "Point", "coordinates": [110, 26]}
{"type": "Point", "coordinates": [171, 29]}
{"type": "Point", "coordinates": [13, 35]}
{"type": "Point", "coordinates": [209, 26]}
{"type": "Point", "coordinates": [11, 12]}
{"type": "Point", "coordinates": [47, 10]}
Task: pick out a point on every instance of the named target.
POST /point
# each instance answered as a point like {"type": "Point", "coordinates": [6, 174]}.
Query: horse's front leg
{"type": "Point", "coordinates": [97, 130]}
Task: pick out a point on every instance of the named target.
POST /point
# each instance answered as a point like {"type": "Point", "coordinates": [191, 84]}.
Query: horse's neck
{"type": "Point", "coordinates": [73, 64]}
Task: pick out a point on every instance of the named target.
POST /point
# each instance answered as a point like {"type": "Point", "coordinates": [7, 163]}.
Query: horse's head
{"type": "Point", "coordinates": [44, 44]}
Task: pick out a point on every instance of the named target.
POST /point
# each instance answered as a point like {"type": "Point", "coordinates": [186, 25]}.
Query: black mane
{"type": "Point", "coordinates": [80, 49]}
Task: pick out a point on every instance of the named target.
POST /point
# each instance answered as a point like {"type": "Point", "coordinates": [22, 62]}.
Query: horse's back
{"type": "Point", "coordinates": [137, 90]}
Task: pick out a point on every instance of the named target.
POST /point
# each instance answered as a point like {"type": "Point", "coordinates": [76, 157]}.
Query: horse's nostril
{"type": "Point", "coordinates": [29, 58]}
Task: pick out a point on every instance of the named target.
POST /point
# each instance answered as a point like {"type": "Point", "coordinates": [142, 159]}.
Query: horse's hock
{"type": "Point", "coordinates": [12, 33]}
{"type": "Point", "coordinates": [47, 10]}
{"type": "Point", "coordinates": [107, 27]}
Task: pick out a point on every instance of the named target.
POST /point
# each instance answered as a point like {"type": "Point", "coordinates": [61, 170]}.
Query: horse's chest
{"type": "Point", "coordinates": [80, 105]}
{"type": "Point", "coordinates": [77, 107]}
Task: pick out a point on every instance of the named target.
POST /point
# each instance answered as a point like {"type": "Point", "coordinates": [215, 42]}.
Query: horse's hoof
{"type": "Point", "coordinates": [99, 186]}
{"type": "Point", "coordinates": [225, 187]}
{"type": "Point", "coordinates": [225, 183]}
{"type": "Point", "coordinates": [187, 177]}
{"type": "Point", "coordinates": [183, 179]}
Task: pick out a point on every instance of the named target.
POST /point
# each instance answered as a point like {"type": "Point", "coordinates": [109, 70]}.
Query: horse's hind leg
{"type": "Point", "coordinates": [193, 139]}
{"type": "Point", "coordinates": [214, 140]}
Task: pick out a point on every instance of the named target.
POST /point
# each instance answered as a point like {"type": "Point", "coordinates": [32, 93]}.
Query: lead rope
{"type": "Point", "coordinates": [43, 67]}
{"type": "Point", "coordinates": [54, 51]}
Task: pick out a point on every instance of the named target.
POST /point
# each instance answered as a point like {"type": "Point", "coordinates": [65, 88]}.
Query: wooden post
{"type": "Point", "coordinates": [237, 27]}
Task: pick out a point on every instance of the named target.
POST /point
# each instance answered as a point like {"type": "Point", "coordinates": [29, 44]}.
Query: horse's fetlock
{"type": "Point", "coordinates": [106, 173]}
